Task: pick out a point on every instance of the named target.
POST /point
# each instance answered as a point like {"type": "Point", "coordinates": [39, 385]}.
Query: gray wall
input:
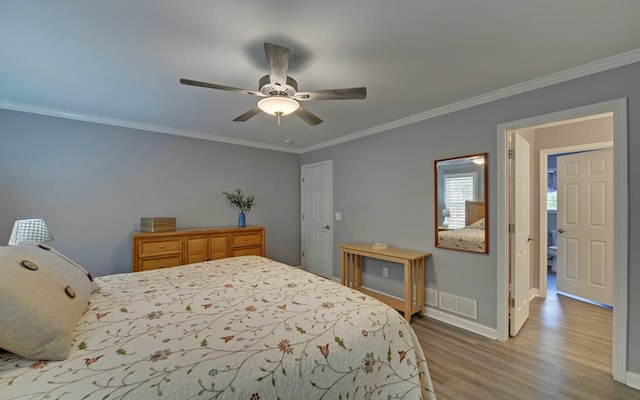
{"type": "Point", "coordinates": [92, 183]}
{"type": "Point", "coordinates": [383, 185]}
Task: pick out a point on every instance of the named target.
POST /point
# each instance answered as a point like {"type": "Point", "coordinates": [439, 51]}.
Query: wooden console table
{"type": "Point", "coordinates": [413, 262]}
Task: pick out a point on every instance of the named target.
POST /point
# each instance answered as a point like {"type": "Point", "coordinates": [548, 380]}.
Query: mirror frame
{"type": "Point", "coordinates": [484, 196]}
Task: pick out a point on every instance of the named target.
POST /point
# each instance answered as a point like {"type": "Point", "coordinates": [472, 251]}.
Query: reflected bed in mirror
{"type": "Point", "coordinates": [461, 203]}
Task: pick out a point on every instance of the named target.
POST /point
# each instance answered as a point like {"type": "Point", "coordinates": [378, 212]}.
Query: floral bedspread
{"type": "Point", "coordinates": [239, 328]}
{"type": "Point", "coordinates": [464, 239]}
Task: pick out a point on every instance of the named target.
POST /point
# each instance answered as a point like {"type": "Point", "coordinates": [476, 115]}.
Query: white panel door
{"type": "Point", "coordinates": [521, 239]}
{"type": "Point", "coordinates": [317, 211]}
{"type": "Point", "coordinates": [585, 225]}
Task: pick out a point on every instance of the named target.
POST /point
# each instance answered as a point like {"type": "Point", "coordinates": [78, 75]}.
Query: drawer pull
{"type": "Point", "coordinates": [161, 266]}
{"type": "Point", "coordinates": [246, 239]}
{"type": "Point", "coordinates": [161, 246]}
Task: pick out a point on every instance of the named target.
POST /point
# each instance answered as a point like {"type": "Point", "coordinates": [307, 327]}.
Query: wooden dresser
{"type": "Point", "coordinates": [186, 246]}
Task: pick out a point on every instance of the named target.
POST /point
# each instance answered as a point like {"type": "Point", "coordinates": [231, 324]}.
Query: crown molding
{"type": "Point", "coordinates": [53, 112]}
{"type": "Point", "coordinates": [606, 64]}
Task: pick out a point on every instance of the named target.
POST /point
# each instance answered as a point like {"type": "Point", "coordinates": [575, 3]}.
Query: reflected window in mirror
{"type": "Point", "coordinates": [460, 203]}
{"type": "Point", "coordinates": [458, 188]}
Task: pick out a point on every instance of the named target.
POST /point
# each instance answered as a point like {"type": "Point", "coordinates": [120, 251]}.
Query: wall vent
{"type": "Point", "coordinates": [431, 297]}
{"type": "Point", "coordinates": [459, 305]}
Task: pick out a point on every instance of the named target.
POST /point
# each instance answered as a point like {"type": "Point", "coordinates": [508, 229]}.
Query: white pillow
{"type": "Point", "coordinates": [61, 265]}
{"type": "Point", "coordinates": [39, 308]}
{"type": "Point", "coordinates": [479, 224]}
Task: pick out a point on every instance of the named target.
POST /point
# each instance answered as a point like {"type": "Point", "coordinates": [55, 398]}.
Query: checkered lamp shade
{"type": "Point", "coordinates": [30, 230]}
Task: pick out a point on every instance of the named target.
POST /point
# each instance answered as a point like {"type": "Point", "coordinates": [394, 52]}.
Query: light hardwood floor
{"type": "Point", "coordinates": [562, 352]}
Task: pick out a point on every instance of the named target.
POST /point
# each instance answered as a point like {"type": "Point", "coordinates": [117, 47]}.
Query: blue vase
{"type": "Point", "coordinates": [241, 223]}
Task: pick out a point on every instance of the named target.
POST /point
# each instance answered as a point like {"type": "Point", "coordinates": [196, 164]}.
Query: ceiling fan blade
{"type": "Point", "coordinates": [248, 114]}
{"type": "Point", "coordinates": [307, 117]}
{"type": "Point", "coordinates": [220, 87]}
{"type": "Point", "coordinates": [357, 93]}
{"type": "Point", "coordinates": [278, 58]}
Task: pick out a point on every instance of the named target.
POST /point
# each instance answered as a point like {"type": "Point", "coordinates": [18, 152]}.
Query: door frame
{"type": "Point", "coordinates": [329, 164]}
{"type": "Point", "coordinates": [621, 238]}
{"type": "Point", "coordinates": [543, 242]}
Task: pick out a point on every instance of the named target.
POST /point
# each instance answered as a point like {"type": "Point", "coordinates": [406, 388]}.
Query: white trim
{"type": "Point", "coordinates": [502, 248]}
{"type": "Point", "coordinates": [543, 226]}
{"type": "Point", "coordinates": [633, 380]}
{"type": "Point", "coordinates": [616, 61]}
{"type": "Point", "coordinates": [52, 112]}
{"type": "Point", "coordinates": [462, 323]}
{"type": "Point", "coordinates": [591, 68]}
{"type": "Point", "coordinates": [621, 212]}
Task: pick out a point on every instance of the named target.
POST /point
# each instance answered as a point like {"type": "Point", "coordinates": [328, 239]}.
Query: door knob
{"type": "Point", "coordinates": [529, 239]}
{"type": "Point", "coordinates": [326, 227]}
{"type": "Point", "coordinates": [560, 230]}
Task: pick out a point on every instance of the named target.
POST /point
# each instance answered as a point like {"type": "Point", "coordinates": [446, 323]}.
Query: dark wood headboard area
{"type": "Point", "coordinates": [474, 211]}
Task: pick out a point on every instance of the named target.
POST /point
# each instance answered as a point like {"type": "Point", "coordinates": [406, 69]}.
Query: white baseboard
{"type": "Point", "coordinates": [633, 380]}
{"type": "Point", "coordinates": [533, 293]}
{"type": "Point", "coordinates": [462, 323]}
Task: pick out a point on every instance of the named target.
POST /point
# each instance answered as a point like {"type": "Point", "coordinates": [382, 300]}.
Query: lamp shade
{"type": "Point", "coordinates": [278, 105]}
{"type": "Point", "coordinates": [445, 212]}
{"type": "Point", "coordinates": [30, 230]}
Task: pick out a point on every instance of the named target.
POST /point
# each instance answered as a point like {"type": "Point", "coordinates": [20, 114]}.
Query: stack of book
{"type": "Point", "coordinates": [157, 224]}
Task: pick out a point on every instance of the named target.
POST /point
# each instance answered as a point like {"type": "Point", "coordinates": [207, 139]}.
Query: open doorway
{"type": "Point", "coordinates": [618, 109]}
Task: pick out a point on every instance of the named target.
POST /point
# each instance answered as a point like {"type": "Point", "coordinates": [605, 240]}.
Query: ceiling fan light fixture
{"type": "Point", "coordinates": [278, 105]}
{"type": "Point", "coordinates": [279, 91]}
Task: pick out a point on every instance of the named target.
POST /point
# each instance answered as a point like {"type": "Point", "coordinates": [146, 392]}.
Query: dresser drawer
{"type": "Point", "coordinates": [164, 262]}
{"type": "Point", "coordinates": [247, 251]}
{"type": "Point", "coordinates": [246, 240]}
{"type": "Point", "coordinates": [153, 250]}
{"type": "Point", "coordinates": [159, 247]}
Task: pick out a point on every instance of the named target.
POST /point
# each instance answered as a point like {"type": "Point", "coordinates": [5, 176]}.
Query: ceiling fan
{"type": "Point", "coordinates": [279, 92]}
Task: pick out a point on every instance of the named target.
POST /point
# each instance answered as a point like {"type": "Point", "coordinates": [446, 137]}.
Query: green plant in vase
{"type": "Point", "coordinates": [244, 204]}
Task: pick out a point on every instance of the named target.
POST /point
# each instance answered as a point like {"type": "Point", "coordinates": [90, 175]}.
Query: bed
{"type": "Point", "coordinates": [473, 236]}
{"type": "Point", "coordinates": [237, 328]}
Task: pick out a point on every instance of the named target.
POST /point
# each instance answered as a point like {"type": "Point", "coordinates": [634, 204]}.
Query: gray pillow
{"type": "Point", "coordinates": [39, 306]}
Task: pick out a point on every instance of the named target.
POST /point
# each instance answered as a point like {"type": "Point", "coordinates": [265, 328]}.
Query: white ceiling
{"type": "Point", "coordinates": [120, 61]}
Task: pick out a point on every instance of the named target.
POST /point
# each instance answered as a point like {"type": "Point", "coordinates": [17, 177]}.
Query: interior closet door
{"type": "Point", "coordinates": [317, 211]}
{"type": "Point", "coordinates": [585, 225]}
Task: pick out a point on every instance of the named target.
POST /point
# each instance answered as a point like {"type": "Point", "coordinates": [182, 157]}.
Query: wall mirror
{"type": "Point", "coordinates": [461, 203]}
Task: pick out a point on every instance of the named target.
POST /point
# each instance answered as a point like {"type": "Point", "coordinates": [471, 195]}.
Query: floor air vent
{"type": "Point", "coordinates": [459, 305]}
{"type": "Point", "coordinates": [431, 297]}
